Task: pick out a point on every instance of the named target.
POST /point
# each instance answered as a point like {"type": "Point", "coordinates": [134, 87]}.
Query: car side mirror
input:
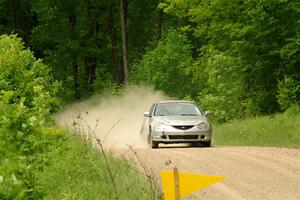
{"type": "Point", "coordinates": [208, 113]}
{"type": "Point", "coordinates": [147, 114]}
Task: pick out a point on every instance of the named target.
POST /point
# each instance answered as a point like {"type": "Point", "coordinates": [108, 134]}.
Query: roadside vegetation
{"type": "Point", "coordinates": [40, 160]}
{"type": "Point", "coordinates": [76, 170]}
{"type": "Point", "coordinates": [280, 130]}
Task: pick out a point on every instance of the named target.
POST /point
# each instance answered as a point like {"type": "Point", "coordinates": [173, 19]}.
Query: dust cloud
{"type": "Point", "coordinates": [119, 117]}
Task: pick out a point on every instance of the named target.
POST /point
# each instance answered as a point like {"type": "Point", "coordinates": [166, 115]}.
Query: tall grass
{"type": "Point", "coordinates": [76, 170]}
{"type": "Point", "coordinates": [69, 167]}
{"type": "Point", "coordinates": [281, 130]}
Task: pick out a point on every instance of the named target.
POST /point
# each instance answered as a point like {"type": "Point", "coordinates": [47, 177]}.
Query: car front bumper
{"type": "Point", "coordinates": [173, 135]}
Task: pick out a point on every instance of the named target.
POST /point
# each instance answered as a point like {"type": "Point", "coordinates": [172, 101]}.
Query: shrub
{"type": "Point", "coordinates": [287, 92]}
{"type": "Point", "coordinates": [27, 77]}
{"type": "Point", "coordinates": [224, 94]}
{"type": "Point", "coordinates": [27, 97]}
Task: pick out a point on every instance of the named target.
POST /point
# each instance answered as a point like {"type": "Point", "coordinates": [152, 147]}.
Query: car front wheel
{"type": "Point", "coordinates": [207, 143]}
{"type": "Point", "coordinates": [153, 144]}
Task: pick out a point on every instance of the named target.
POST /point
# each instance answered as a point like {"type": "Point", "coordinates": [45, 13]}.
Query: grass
{"type": "Point", "coordinates": [69, 167]}
{"type": "Point", "coordinates": [281, 130]}
{"type": "Point", "coordinates": [78, 171]}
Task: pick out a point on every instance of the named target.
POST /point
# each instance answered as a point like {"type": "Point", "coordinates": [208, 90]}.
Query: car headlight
{"type": "Point", "coordinates": [203, 125]}
{"type": "Point", "coordinates": [160, 126]}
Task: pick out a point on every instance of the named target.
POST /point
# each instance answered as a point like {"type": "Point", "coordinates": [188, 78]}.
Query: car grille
{"type": "Point", "coordinates": [188, 137]}
{"type": "Point", "coordinates": [183, 127]}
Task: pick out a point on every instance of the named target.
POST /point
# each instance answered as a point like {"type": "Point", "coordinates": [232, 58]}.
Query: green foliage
{"type": "Point", "coordinates": [140, 26]}
{"type": "Point", "coordinates": [288, 90]}
{"type": "Point", "coordinates": [28, 78]}
{"type": "Point", "coordinates": [47, 162]}
{"type": "Point", "coordinates": [20, 146]}
{"type": "Point", "coordinates": [223, 95]}
{"type": "Point", "coordinates": [27, 98]}
{"type": "Point", "coordinates": [281, 130]}
{"type": "Point", "coordinates": [16, 17]}
{"type": "Point", "coordinates": [60, 45]}
{"type": "Point", "coordinates": [38, 160]}
{"type": "Point", "coordinates": [105, 83]}
{"type": "Point", "coordinates": [78, 171]}
{"type": "Point", "coordinates": [206, 46]}
{"type": "Point", "coordinates": [244, 47]}
{"type": "Point", "coordinates": [78, 33]}
{"type": "Point", "coordinates": [165, 66]}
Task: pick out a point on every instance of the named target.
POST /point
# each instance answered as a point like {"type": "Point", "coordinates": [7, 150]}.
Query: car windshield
{"type": "Point", "coordinates": [177, 108]}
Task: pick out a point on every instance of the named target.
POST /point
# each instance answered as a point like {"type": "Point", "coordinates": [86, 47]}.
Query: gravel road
{"type": "Point", "coordinates": [252, 172]}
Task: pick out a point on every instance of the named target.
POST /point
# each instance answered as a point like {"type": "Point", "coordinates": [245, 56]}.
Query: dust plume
{"type": "Point", "coordinates": [122, 114]}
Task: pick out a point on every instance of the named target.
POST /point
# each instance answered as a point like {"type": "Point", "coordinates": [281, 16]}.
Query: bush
{"type": "Point", "coordinates": [287, 93]}
{"type": "Point", "coordinates": [38, 160]}
{"type": "Point", "coordinates": [27, 77]}
{"type": "Point", "coordinates": [27, 97]}
{"type": "Point", "coordinates": [20, 144]}
{"type": "Point", "coordinates": [224, 94]}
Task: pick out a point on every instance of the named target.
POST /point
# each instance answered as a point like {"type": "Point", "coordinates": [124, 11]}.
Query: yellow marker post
{"type": "Point", "coordinates": [177, 185]}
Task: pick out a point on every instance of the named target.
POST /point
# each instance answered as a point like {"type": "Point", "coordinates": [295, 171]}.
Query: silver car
{"type": "Point", "coordinates": [176, 122]}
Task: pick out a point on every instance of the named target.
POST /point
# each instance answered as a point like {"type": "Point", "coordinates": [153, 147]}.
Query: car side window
{"type": "Point", "coordinates": [151, 109]}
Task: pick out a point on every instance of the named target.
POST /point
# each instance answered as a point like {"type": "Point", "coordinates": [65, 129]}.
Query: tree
{"type": "Point", "coordinates": [164, 67]}
{"type": "Point", "coordinates": [123, 16]}
{"type": "Point", "coordinates": [72, 35]}
{"type": "Point", "coordinates": [159, 22]}
{"type": "Point", "coordinates": [16, 17]}
{"type": "Point", "coordinates": [111, 30]}
{"type": "Point", "coordinates": [255, 35]}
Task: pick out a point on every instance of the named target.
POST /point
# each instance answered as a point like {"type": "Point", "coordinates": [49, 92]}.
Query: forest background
{"type": "Point", "coordinates": [236, 58]}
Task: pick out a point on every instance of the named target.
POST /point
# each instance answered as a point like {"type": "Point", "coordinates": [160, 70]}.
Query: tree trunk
{"type": "Point", "coordinates": [159, 23]}
{"type": "Point", "coordinates": [87, 58]}
{"type": "Point", "coordinates": [90, 60]}
{"type": "Point", "coordinates": [22, 18]}
{"type": "Point", "coordinates": [89, 73]}
{"type": "Point", "coordinates": [114, 59]}
{"type": "Point", "coordinates": [72, 35]}
{"type": "Point", "coordinates": [75, 81]}
{"type": "Point", "coordinates": [123, 14]}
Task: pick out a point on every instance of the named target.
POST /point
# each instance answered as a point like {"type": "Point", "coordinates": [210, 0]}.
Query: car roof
{"type": "Point", "coordinates": [175, 101]}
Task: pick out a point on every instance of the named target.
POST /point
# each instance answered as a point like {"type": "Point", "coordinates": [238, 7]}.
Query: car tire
{"type": "Point", "coordinates": [153, 145]}
{"type": "Point", "coordinates": [207, 143]}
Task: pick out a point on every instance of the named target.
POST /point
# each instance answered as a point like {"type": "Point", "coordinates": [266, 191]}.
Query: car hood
{"type": "Point", "coordinates": [180, 120]}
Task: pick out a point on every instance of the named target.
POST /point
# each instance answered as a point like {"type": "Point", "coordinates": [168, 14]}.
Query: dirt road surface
{"type": "Point", "coordinates": [252, 172]}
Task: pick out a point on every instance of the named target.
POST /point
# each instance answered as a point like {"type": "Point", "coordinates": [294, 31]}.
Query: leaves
{"type": "Point", "coordinates": [287, 93]}
{"type": "Point", "coordinates": [163, 66]}
{"type": "Point", "coordinates": [27, 98]}
{"type": "Point", "coordinates": [243, 48]}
